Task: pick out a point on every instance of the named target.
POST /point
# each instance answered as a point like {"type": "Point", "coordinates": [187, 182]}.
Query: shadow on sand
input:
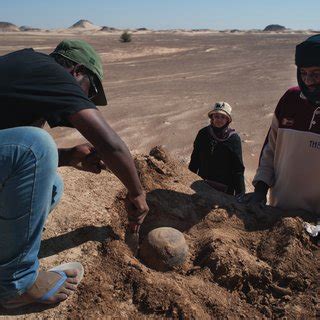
{"type": "Point", "coordinates": [54, 245]}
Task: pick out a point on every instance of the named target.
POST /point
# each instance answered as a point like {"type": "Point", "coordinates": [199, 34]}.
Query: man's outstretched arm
{"type": "Point", "coordinates": [112, 150]}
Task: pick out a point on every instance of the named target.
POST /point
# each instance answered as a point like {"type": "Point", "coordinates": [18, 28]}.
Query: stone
{"type": "Point", "coordinates": [159, 153]}
{"type": "Point", "coordinates": [164, 249]}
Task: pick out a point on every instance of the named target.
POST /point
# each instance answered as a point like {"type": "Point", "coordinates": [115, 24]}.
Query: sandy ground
{"type": "Point", "coordinates": [244, 262]}
{"type": "Point", "coordinates": [161, 85]}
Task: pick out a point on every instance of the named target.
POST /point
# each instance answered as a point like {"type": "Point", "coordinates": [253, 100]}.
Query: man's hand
{"type": "Point", "coordinates": [83, 157]}
{"type": "Point", "coordinates": [259, 196]}
{"type": "Point", "coordinates": [253, 198]}
{"type": "Point", "coordinates": [137, 209]}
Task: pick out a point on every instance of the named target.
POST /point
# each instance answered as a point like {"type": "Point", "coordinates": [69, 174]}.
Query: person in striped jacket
{"type": "Point", "coordinates": [289, 164]}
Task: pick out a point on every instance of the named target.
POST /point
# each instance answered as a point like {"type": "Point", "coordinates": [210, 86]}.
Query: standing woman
{"type": "Point", "coordinates": [217, 153]}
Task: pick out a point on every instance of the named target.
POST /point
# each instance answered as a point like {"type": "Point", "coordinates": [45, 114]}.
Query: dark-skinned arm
{"type": "Point", "coordinates": [113, 151]}
{"type": "Point", "coordinates": [82, 157]}
{"type": "Point", "coordinates": [64, 157]}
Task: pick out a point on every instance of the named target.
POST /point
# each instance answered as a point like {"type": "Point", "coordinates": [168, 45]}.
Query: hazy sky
{"type": "Point", "coordinates": [164, 14]}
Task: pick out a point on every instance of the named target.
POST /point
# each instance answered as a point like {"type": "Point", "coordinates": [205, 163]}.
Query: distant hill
{"type": "Point", "coordinates": [105, 28]}
{"type": "Point", "coordinates": [27, 28]}
{"type": "Point", "coordinates": [7, 26]}
{"type": "Point", "coordinates": [274, 27]}
{"type": "Point", "coordinates": [84, 24]}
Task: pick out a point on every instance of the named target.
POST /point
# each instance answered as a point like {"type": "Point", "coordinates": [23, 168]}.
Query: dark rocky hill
{"type": "Point", "coordinates": [274, 27]}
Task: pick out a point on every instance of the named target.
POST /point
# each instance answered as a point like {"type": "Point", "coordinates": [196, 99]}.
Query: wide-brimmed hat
{"type": "Point", "coordinates": [221, 107]}
{"type": "Point", "coordinates": [83, 53]}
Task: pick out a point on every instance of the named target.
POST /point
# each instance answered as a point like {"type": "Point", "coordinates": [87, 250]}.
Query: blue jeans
{"type": "Point", "coordinates": [29, 189]}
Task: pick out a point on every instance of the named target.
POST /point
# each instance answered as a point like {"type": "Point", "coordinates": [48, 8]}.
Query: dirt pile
{"type": "Point", "coordinates": [244, 262]}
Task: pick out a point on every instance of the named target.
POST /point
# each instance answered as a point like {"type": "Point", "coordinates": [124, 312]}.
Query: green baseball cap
{"type": "Point", "coordinates": [83, 53]}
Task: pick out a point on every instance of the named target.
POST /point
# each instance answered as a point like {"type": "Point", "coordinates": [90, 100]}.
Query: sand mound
{"type": "Point", "coordinates": [243, 262]}
{"type": "Point", "coordinates": [7, 26]}
{"type": "Point", "coordinates": [84, 24]}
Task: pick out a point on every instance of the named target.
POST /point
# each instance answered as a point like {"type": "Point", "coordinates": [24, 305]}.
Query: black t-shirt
{"type": "Point", "coordinates": [34, 87]}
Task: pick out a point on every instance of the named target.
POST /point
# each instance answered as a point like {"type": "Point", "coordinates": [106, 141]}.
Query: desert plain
{"type": "Point", "coordinates": [161, 85]}
{"type": "Point", "coordinates": [244, 262]}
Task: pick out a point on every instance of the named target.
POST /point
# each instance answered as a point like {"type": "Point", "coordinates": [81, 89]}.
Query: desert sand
{"type": "Point", "coordinates": [244, 262]}
{"type": "Point", "coordinates": [161, 85]}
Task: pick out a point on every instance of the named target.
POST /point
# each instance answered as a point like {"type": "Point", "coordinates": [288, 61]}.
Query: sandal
{"type": "Point", "coordinates": [44, 298]}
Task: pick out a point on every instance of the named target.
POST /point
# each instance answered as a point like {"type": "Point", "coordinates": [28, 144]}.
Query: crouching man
{"type": "Point", "coordinates": [63, 89]}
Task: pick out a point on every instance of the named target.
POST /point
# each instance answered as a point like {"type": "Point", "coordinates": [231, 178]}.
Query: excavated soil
{"type": "Point", "coordinates": [244, 261]}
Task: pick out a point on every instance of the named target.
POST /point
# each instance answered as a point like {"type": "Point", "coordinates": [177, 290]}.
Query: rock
{"type": "Point", "coordinates": [164, 249]}
{"type": "Point", "coordinates": [159, 153]}
{"type": "Point", "coordinates": [280, 291]}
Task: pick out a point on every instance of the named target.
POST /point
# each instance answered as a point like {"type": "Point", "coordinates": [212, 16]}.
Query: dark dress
{"type": "Point", "coordinates": [219, 159]}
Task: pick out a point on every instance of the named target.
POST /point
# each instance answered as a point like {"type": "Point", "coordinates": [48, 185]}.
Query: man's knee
{"type": "Point", "coordinates": [40, 143]}
{"type": "Point", "coordinates": [24, 147]}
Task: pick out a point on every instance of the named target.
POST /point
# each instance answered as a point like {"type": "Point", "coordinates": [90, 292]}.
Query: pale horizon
{"type": "Point", "coordinates": [164, 15]}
